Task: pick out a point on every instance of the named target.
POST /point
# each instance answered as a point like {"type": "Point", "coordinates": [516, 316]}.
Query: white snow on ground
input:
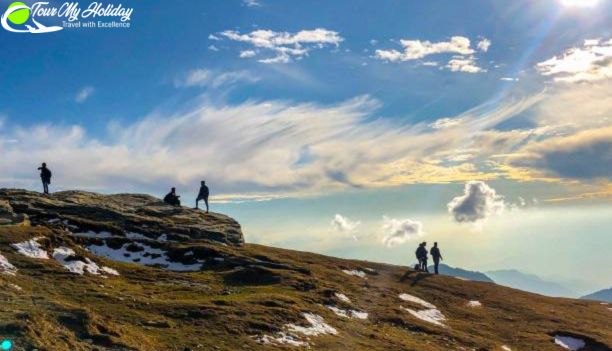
{"type": "Point", "coordinates": [282, 338]}
{"type": "Point", "coordinates": [92, 234]}
{"type": "Point", "coordinates": [133, 235]}
{"type": "Point", "coordinates": [360, 274]}
{"type": "Point", "coordinates": [6, 267]}
{"type": "Point", "coordinates": [109, 270]}
{"type": "Point", "coordinates": [474, 303]}
{"type": "Point", "coordinates": [290, 335]}
{"type": "Point", "coordinates": [123, 255]}
{"type": "Point", "coordinates": [163, 237]}
{"type": "Point", "coordinates": [61, 255]}
{"type": "Point", "coordinates": [414, 299]}
{"type": "Point", "coordinates": [31, 248]}
{"type": "Point", "coordinates": [317, 326]}
{"type": "Point", "coordinates": [16, 287]}
{"type": "Point", "coordinates": [569, 343]}
{"type": "Point", "coordinates": [506, 348]}
{"type": "Point", "coordinates": [348, 313]}
{"type": "Point", "coordinates": [342, 297]}
{"type": "Point", "coordinates": [432, 315]}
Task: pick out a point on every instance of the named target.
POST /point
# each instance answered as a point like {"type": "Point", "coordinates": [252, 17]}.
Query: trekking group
{"type": "Point", "coordinates": [421, 255]}
{"type": "Point", "coordinates": [171, 198]}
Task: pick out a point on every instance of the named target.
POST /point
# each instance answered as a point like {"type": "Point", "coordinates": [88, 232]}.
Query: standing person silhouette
{"type": "Point", "coordinates": [45, 177]}
{"type": "Point", "coordinates": [436, 255]}
{"type": "Point", "coordinates": [424, 258]}
{"type": "Point", "coordinates": [203, 195]}
{"type": "Point", "coordinates": [421, 255]}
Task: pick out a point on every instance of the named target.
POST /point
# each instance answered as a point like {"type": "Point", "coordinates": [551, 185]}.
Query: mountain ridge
{"type": "Point", "coordinates": [109, 283]}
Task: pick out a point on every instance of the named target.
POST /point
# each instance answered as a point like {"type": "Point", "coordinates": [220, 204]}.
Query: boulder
{"type": "Point", "coordinates": [120, 214]}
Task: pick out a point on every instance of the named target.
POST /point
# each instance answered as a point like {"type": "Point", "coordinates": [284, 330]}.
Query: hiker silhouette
{"type": "Point", "coordinates": [436, 255]}
{"type": "Point", "coordinates": [172, 199]}
{"type": "Point", "coordinates": [203, 195]}
{"type": "Point", "coordinates": [421, 255]}
{"type": "Point", "coordinates": [45, 177]}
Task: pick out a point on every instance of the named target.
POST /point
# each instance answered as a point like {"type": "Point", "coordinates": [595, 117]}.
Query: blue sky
{"type": "Point", "coordinates": [353, 128]}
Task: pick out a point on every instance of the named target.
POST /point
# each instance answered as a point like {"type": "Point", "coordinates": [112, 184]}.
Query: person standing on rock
{"type": "Point", "coordinates": [45, 176]}
{"type": "Point", "coordinates": [421, 254]}
{"type": "Point", "coordinates": [436, 255]}
{"type": "Point", "coordinates": [424, 257]}
{"type": "Point", "coordinates": [172, 199]}
{"type": "Point", "coordinates": [203, 195]}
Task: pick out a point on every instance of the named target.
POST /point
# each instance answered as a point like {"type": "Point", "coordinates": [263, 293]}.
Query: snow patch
{"type": "Point", "coordinates": [348, 313]}
{"type": "Point", "coordinates": [16, 287]}
{"type": "Point", "coordinates": [474, 303]}
{"type": "Point", "coordinates": [317, 326]}
{"type": "Point", "coordinates": [360, 274]}
{"type": "Point", "coordinates": [418, 301]}
{"type": "Point", "coordinates": [31, 248]}
{"type": "Point", "coordinates": [109, 270]}
{"type": "Point", "coordinates": [569, 343]}
{"type": "Point", "coordinates": [148, 256]}
{"type": "Point", "coordinates": [342, 297]}
{"type": "Point", "coordinates": [290, 334]}
{"type": "Point", "coordinates": [61, 255]}
{"type": "Point", "coordinates": [506, 348]}
{"type": "Point", "coordinates": [432, 315]}
{"type": "Point", "coordinates": [91, 234]}
{"type": "Point", "coordinates": [6, 267]}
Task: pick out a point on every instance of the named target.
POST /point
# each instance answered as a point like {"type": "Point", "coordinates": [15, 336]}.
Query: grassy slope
{"type": "Point", "coordinates": [224, 308]}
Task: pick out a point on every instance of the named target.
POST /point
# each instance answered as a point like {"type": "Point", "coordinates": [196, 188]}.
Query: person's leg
{"type": "Point", "coordinates": [425, 266]}
{"type": "Point", "coordinates": [436, 263]}
{"type": "Point", "coordinates": [46, 187]}
{"type": "Point", "coordinates": [197, 199]}
{"type": "Point", "coordinates": [206, 202]}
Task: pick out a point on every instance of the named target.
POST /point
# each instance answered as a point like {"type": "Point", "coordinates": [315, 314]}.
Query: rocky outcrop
{"type": "Point", "coordinates": [120, 214]}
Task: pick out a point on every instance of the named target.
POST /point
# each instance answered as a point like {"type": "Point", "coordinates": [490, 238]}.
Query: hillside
{"type": "Point", "coordinates": [601, 295]}
{"type": "Point", "coordinates": [529, 282]}
{"type": "Point", "coordinates": [73, 277]}
{"type": "Point", "coordinates": [461, 273]}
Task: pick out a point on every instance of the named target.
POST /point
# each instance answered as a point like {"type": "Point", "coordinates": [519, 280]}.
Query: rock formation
{"type": "Point", "coordinates": [118, 214]}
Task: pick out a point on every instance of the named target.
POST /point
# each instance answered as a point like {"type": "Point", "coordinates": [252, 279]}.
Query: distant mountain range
{"type": "Point", "coordinates": [462, 273]}
{"type": "Point", "coordinates": [529, 282]}
{"type": "Point", "coordinates": [601, 295]}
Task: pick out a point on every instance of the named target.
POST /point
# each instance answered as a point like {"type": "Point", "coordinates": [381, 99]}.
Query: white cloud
{"type": "Point", "coordinates": [591, 62]}
{"type": "Point", "coordinates": [203, 77]}
{"type": "Point", "coordinates": [247, 53]}
{"type": "Point", "coordinates": [478, 202]}
{"type": "Point", "coordinates": [284, 45]}
{"type": "Point", "coordinates": [446, 123]}
{"type": "Point", "coordinates": [430, 63]}
{"type": "Point", "coordinates": [509, 79]}
{"type": "Point", "coordinates": [252, 150]}
{"type": "Point", "coordinates": [213, 48]}
{"type": "Point", "coordinates": [464, 64]}
{"type": "Point", "coordinates": [84, 94]}
{"type": "Point", "coordinates": [463, 61]}
{"type": "Point", "coordinates": [483, 45]}
{"type": "Point", "coordinates": [398, 231]}
{"type": "Point", "coordinates": [213, 37]}
{"type": "Point", "coordinates": [251, 3]}
{"type": "Point", "coordinates": [345, 225]}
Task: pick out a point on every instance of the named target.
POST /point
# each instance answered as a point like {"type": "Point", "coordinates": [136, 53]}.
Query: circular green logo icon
{"type": "Point", "coordinates": [19, 16]}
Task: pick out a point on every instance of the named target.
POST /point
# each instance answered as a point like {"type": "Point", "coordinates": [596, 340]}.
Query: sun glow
{"type": "Point", "coordinates": [579, 3]}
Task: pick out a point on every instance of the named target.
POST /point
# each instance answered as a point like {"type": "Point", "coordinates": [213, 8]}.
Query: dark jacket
{"type": "Point", "coordinates": [421, 253]}
{"type": "Point", "coordinates": [45, 174]}
{"type": "Point", "coordinates": [204, 192]}
{"type": "Point", "coordinates": [435, 253]}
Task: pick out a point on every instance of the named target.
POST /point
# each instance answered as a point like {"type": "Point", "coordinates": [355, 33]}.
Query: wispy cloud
{"type": "Point", "coordinates": [463, 59]}
{"type": "Point", "coordinates": [284, 46]}
{"type": "Point", "coordinates": [251, 3]}
{"type": "Point", "coordinates": [202, 77]}
{"type": "Point", "coordinates": [345, 225]}
{"type": "Point", "coordinates": [83, 94]}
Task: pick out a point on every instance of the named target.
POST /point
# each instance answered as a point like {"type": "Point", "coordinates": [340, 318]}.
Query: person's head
{"type": "Point", "coordinates": [173, 190]}
{"type": "Point", "coordinates": [436, 243]}
{"type": "Point", "coordinates": [203, 182]}
{"type": "Point", "coordinates": [424, 243]}
{"type": "Point", "coordinates": [44, 164]}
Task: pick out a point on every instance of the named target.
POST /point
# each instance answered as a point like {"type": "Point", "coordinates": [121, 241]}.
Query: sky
{"type": "Point", "coordinates": [350, 128]}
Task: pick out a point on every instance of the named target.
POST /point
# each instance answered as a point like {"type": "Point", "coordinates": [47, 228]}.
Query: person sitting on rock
{"type": "Point", "coordinates": [203, 195]}
{"type": "Point", "coordinates": [172, 199]}
{"type": "Point", "coordinates": [45, 176]}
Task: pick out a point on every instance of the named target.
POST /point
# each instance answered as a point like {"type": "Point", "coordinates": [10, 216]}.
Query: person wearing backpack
{"type": "Point", "coordinates": [45, 177]}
